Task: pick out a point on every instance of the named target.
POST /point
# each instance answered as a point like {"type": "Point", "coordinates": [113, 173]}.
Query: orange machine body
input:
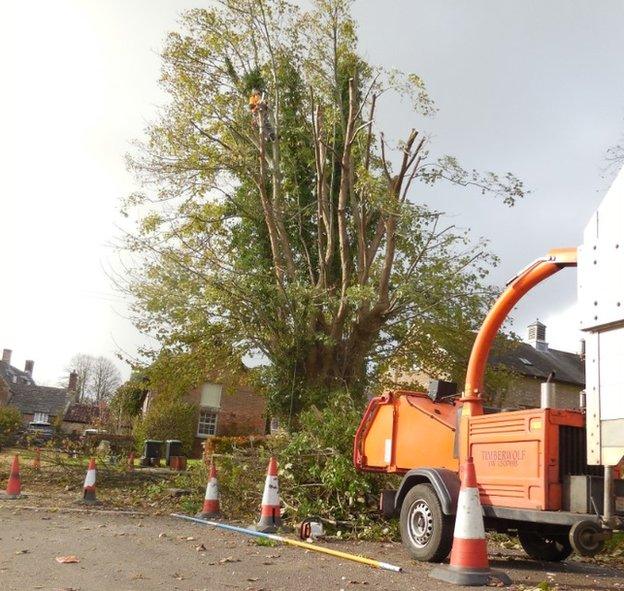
{"type": "Point", "coordinates": [517, 457]}
{"type": "Point", "coordinates": [402, 430]}
{"type": "Point", "coordinates": [516, 453]}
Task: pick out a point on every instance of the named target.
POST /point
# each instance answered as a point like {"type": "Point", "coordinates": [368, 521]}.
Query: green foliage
{"type": "Point", "coordinates": [317, 472]}
{"type": "Point", "coordinates": [253, 79]}
{"type": "Point", "coordinates": [190, 506]}
{"type": "Point", "coordinates": [312, 251]}
{"type": "Point", "coordinates": [129, 397]}
{"type": "Point", "coordinates": [168, 419]}
{"type": "Point", "coordinates": [265, 542]}
{"type": "Point", "coordinates": [10, 423]}
{"type": "Point", "coordinates": [614, 546]}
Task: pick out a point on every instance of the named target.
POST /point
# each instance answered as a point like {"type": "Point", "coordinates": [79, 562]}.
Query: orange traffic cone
{"type": "Point", "coordinates": [211, 500]}
{"type": "Point", "coordinates": [270, 515]}
{"type": "Point", "coordinates": [131, 461]}
{"type": "Point", "coordinates": [37, 461]}
{"type": "Point", "coordinates": [88, 496]}
{"type": "Point", "coordinates": [14, 487]}
{"type": "Point", "coordinates": [469, 562]}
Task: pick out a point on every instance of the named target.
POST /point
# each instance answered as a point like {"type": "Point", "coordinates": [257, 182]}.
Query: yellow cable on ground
{"type": "Point", "coordinates": [282, 539]}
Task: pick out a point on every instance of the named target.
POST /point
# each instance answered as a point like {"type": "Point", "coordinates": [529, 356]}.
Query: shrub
{"type": "Point", "coordinates": [128, 398]}
{"type": "Point", "coordinates": [10, 424]}
{"type": "Point", "coordinates": [168, 419]}
{"type": "Point", "coordinates": [231, 445]}
{"type": "Point", "coordinates": [318, 472]}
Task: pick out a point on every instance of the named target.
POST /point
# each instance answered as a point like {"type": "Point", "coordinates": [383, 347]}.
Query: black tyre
{"type": "Point", "coordinates": [582, 538]}
{"type": "Point", "coordinates": [425, 530]}
{"type": "Point", "coordinates": [548, 547]}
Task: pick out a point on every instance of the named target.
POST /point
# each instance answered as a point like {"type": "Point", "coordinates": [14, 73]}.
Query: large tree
{"type": "Point", "coordinates": [299, 237]}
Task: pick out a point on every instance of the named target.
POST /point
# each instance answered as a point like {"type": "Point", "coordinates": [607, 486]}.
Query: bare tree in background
{"type": "Point", "coordinates": [615, 156]}
{"type": "Point", "coordinates": [98, 377]}
{"type": "Point", "coordinates": [82, 364]}
{"type": "Point", "coordinates": [105, 379]}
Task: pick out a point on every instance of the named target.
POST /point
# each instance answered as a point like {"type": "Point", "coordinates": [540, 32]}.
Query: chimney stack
{"type": "Point", "coordinates": [72, 386]}
{"type": "Point", "coordinates": [29, 366]}
{"type": "Point", "coordinates": [537, 336]}
{"type": "Point", "coordinates": [6, 356]}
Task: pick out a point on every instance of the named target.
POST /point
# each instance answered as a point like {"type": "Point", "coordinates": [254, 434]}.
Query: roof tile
{"type": "Point", "coordinates": [30, 399]}
{"type": "Point", "coordinates": [568, 367]}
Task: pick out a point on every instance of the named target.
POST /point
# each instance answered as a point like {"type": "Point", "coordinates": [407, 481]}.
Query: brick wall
{"type": "Point", "coordinates": [194, 396]}
{"type": "Point", "coordinates": [243, 412]}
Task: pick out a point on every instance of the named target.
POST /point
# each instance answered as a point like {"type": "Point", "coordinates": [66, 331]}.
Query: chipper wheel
{"type": "Point", "coordinates": [584, 538]}
{"type": "Point", "coordinates": [425, 530]}
{"type": "Point", "coordinates": [548, 547]}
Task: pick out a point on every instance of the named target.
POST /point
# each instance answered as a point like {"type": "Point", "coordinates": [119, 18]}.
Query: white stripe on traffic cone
{"type": "Point", "coordinates": [469, 562]}
{"type": "Point", "coordinates": [211, 499]}
{"type": "Point", "coordinates": [270, 513]}
{"type": "Point", "coordinates": [89, 484]}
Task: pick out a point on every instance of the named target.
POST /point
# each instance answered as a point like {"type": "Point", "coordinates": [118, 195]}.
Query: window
{"type": "Point", "coordinates": [525, 361]}
{"type": "Point", "coordinates": [207, 424]}
{"type": "Point", "coordinates": [41, 417]}
{"type": "Point", "coordinates": [209, 405]}
{"type": "Point", "coordinates": [211, 395]}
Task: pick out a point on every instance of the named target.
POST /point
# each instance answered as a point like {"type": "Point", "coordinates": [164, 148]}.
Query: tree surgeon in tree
{"type": "Point", "coordinates": [260, 113]}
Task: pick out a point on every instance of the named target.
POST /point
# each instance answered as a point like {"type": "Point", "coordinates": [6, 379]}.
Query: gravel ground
{"type": "Point", "coordinates": [135, 553]}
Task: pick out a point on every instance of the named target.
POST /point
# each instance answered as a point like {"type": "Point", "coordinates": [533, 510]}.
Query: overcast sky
{"type": "Point", "coordinates": [532, 87]}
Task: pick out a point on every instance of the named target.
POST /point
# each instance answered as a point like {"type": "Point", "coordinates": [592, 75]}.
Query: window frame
{"type": "Point", "coordinates": [46, 418]}
{"type": "Point", "coordinates": [213, 411]}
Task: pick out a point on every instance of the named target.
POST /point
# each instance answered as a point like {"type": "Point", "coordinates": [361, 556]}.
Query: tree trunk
{"type": "Point", "coordinates": [342, 365]}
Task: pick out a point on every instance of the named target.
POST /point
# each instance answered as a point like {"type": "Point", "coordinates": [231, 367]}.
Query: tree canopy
{"type": "Point", "coordinates": [298, 237]}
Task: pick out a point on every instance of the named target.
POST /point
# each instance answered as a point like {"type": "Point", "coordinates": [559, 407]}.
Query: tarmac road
{"type": "Point", "coordinates": [130, 553]}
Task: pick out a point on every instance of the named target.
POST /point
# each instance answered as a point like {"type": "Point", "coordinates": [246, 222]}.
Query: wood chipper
{"type": "Point", "coordinates": [548, 474]}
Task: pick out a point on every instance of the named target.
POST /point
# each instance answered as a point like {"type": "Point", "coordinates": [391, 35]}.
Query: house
{"type": "Point", "coordinates": [224, 409]}
{"type": "Point", "coordinates": [41, 404]}
{"type": "Point", "coordinates": [532, 362]}
{"type": "Point", "coordinates": [529, 364]}
{"type": "Point", "coordinates": [79, 417]}
{"type": "Point", "coordinates": [11, 374]}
